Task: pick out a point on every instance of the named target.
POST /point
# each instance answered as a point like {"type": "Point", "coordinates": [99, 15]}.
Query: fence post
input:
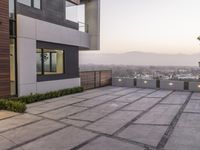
{"type": "Point", "coordinates": [94, 79]}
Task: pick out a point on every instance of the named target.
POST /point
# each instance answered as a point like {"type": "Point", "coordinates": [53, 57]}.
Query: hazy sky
{"type": "Point", "coordinates": [162, 26]}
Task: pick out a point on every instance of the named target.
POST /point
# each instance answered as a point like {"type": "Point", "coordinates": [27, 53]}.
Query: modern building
{"type": "Point", "coordinates": [40, 42]}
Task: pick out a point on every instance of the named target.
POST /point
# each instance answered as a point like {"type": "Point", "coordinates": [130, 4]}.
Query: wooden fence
{"type": "Point", "coordinates": [95, 79]}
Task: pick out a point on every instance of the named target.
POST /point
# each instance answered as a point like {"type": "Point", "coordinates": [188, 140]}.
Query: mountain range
{"type": "Point", "coordinates": [139, 58]}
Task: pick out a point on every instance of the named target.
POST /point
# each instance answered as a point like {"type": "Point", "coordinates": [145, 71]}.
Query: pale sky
{"type": "Point", "coordinates": [161, 26]}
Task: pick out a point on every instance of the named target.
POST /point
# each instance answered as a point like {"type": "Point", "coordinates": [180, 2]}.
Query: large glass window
{"type": "Point", "coordinates": [50, 61]}
{"type": "Point", "coordinates": [13, 66]}
{"type": "Point", "coordinates": [71, 11]}
{"type": "Point", "coordinates": [37, 4]}
{"type": "Point", "coordinates": [31, 3]}
{"type": "Point", "coordinates": [12, 26]}
{"type": "Point", "coordinates": [25, 2]}
{"type": "Point", "coordinates": [12, 9]}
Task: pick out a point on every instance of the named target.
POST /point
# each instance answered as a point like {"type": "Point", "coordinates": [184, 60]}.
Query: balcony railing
{"type": "Point", "coordinates": [83, 27]}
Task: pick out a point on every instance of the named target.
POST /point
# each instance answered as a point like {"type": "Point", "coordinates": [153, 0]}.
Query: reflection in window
{"type": "Point", "coordinates": [50, 61]}
{"type": "Point", "coordinates": [31, 3]}
{"type": "Point", "coordinates": [39, 61]}
{"type": "Point", "coordinates": [37, 4]}
{"type": "Point", "coordinates": [25, 2]}
{"type": "Point", "coordinates": [12, 9]}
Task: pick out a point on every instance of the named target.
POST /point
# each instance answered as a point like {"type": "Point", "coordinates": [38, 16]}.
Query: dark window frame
{"type": "Point", "coordinates": [13, 36]}
{"type": "Point", "coordinates": [42, 63]}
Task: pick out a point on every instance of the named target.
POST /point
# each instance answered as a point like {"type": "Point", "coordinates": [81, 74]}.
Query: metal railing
{"type": "Point", "coordinates": [83, 27]}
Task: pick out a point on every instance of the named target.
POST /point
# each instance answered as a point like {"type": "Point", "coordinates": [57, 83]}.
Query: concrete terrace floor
{"type": "Point", "coordinates": [109, 118]}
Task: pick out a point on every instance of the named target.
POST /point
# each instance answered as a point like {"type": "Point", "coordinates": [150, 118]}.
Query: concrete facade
{"type": "Point", "coordinates": [38, 27]}
{"type": "Point", "coordinates": [29, 32]}
{"type": "Point", "coordinates": [45, 27]}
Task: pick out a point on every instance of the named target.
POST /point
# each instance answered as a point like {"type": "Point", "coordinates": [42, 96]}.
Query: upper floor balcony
{"type": "Point", "coordinates": [81, 18]}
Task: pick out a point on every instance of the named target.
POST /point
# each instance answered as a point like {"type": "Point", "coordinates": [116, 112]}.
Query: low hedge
{"type": "Point", "coordinates": [18, 104]}
{"type": "Point", "coordinates": [12, 106]}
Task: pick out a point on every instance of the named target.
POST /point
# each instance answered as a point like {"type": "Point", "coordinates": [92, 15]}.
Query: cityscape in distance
{"type": "Point", "coordinates": [142, 65]}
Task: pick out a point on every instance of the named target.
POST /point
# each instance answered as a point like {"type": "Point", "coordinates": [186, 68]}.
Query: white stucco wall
{"type": "Point", "coordinates": [29, 31]}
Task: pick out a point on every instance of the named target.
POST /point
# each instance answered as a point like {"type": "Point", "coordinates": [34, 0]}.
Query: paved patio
{"type": "Point", "coordinates": [109, 118]}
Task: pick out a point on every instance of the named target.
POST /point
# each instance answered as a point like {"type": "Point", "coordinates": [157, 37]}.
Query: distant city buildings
{"type": "Point", "coordinates": [150, 72]}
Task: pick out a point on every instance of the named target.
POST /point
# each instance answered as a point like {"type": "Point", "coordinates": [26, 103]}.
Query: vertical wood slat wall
{"type": "Point", "coordinates": [4, 50]}
{"type": "Point", "coordinates": [95, 79]}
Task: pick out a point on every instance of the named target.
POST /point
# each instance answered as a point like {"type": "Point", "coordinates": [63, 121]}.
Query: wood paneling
{"type": "Point", "coordinates": [4, 50]}
{"type": "Point", "coordinates": [95, 79]}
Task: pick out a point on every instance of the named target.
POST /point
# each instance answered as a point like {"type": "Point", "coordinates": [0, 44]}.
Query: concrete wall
{"type": "Point", "coordinates": [141, 83]}
{"type": "Point", "coordinates": [123, 82]}
{"type": "Point", "coordinates": [57, 84]}
{"type": "Point", "coordinates": [160, 84]}
{"type": "Point", "coordinates": [171, 85]}
{"type": "Point", "coordinates": [29, 31]}
{"type": "Point", "coordinates": [194, 86]}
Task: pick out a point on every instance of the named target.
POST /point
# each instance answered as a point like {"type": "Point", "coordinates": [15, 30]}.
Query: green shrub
{"type": "Point", "coordinates": [18, 104]}
{"type": "Point", "coordinates": [40, 97]}
{"type": "Point", "coordinates": [10, 105]}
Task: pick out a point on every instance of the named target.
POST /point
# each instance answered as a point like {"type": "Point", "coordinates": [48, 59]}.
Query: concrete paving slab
{"type": "Point", "coordinates": [7, 114]}
{"type": "Point", "coordinates": [96, 101]}
{"type": "Point", "coordinates": [160, 115]}
{"type": "Point", "coordinates": [46, 134]}
{"type": "Point", "coordinates": [189, 120]}
{"type": "Point", "coordinates": [50, 106]}
{"type": "Point", "coordinates": [147, 91]}
{"type": "Point", "coordinates": [31, 131]}
{"type": "Point", "coordinates": [67, 98]}
{"type": "Point", "coordinates": [131, 97]}
{"type": "Point", "coordinates": [147, 134]}
{"type": "Point", "coordinates": [196, 96]}
{"type": "Point", "coordinates": [62, 112]}
{"type": "Point", "coordinates": [37, 104]}
{"type": "Point", "coordinates": [17, 121]}
{"type": "Point", "coordinates": [104, 143]}
{"type": "Point", "coordinates": [175, 99]}
{"type": "Point", "coordinates": [116, 89]}
{"type": "Point", "coordinates": [193, 106]}
{"type": "Point", "coordinates": [143, 104]}
{"type": "Point", "coordinates": [113, 122]}
{"type": "Point", "coordinates": [181, 93]}
{"type": "Point", "coordinates": [184, 139]}
{"type": "Point", "coordinates": [92, 94]}
{"type": "Point", "coordinates": [64, 139]}
{"type": "Point", "coordinates": [77, 123]}
{"type": "Point", "coordinates": [98, 112]}
{"type": "Point", "coordinates": [5, 144]}
{"type": "Point", "coordinates": [160, 93]}
{"type": "Point", "coordinates": [125, 92]}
